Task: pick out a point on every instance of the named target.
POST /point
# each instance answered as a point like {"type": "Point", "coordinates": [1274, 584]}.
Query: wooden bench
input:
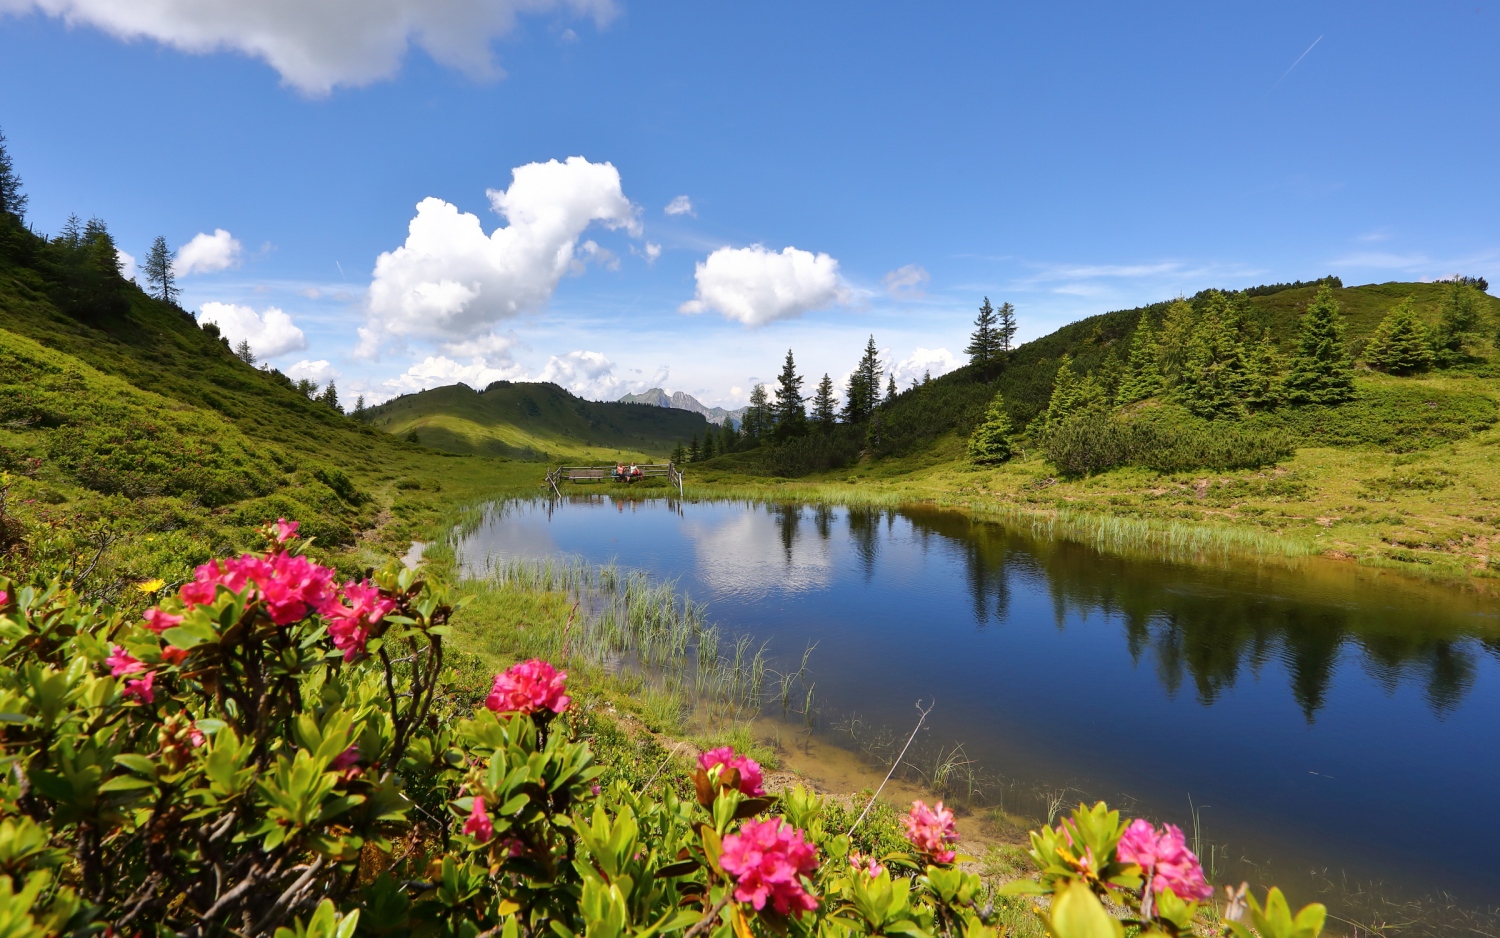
{"type": "Point", "coordinates": [667, 471]}
{"type": "Point", "coordinates": [587, 475]}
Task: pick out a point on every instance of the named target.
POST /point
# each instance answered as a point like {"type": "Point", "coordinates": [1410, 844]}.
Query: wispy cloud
{"type": "Point", "coordinates": [1298, 62]}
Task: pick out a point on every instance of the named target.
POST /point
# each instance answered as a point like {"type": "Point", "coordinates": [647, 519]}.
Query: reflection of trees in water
{"type": "Point", "coordinates": [864, 533]}
{"type": "Point", "coordinates": [787, 518]}
{"type": "Point", "coordinates": [1208, 636]}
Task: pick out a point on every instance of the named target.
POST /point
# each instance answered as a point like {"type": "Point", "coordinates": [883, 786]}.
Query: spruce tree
{"type": "Point", "coordinates": [758, 419]}
{"type": "Point", "coordinates": [1400, 344]}
{"type": "Point", "coordinates": [1263, 366]}
{"type": "Point", "coordinates": [825, 408]}
{"type": "Point", "coordinates": [731, 437]}
{"type": "Point", "coordinates": [359, 406]}
{"type": "Point", "coordinates": [863, 392]}
{"type": "Point", "coordinates": [1071, 395]}
{"type": "Point", "coordinates": [72, 231]}
{"type": "Point", "coordinates": [308, 387]}
{"type": "Point", "coordinates": [330, 396]}
{"type": "Point", "coordinates": [679, 454]}
{"type": "Point", "coordinates": [1143, 377]}
{"type": "Point", "coordinates": [1457, 320]}
{"type": "Point", "coordinates": [247, 354]}
{"type": "Point", "coordinates": [984, 344]}
{"type": "Point", "coordinates": [12, 199]}
{"type": "Point", "coordinates": [1320, 372]}
{"type": "Point", "coordinates": [791, 415]}
{"type": "Point", "coordinates": [707, 452]}
{"type": "Point", "coordinates": [103, 256]}
{"type": "Point", "coordinates": [1176, 331]}
{"type": "Point", "coordinates": [1214, 380]}
{"type": "Point", "coordinates": [1007, 327]}
{"type": "Point", "coordinates": [890, 389]}
{"type": "Point", "coordinates": [694, 453]}
{"type": "Point", "coordinates": [158, 270]}
{"type": "Point", "coordinates": [991, 440]}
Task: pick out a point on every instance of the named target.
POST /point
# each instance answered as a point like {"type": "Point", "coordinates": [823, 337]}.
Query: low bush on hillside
{"type": "Point", "coordinates": [1397, 418]}
{"type": "Point", "coordinates": [268, 752]}
{"type": "Point", "coordinates": [1165, 439]}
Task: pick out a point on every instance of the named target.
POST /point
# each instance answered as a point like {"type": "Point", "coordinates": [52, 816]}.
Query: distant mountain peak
{"type": "Point", "coordinates": [681, 400]}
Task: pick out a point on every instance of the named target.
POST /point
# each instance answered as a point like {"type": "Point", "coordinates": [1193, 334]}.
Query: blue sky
{"type": "Point", "coordinates": [893, 164]}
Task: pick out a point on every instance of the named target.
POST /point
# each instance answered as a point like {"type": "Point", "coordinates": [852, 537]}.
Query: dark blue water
{"type": "Point", "coordinates": [1323, 718]}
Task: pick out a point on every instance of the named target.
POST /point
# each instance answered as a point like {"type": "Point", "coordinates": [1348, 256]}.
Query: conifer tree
{"type": "Point", "coordinates": [1400, 344]}
{"type": "Point", "coordinates": [679, 454]}
{"type": "Point", "coordinates": [791, 415]}
{"type": "Point", "coordinates": [825, 408]}
{"type": "Point", "coordinates": [12, 199]}
{"type": "Point", "coordinates": [1214, 380]}
{"type": "Point", "coordinates": [1176, 331]}
{"type": "Point", "coordinates": [1320, 372]}
{"type": "Point", "coordinates": [1071, 395]}
{"type": "Point", "coordinates": [247, 354]}
{"type": "Point", "coordinates": [863, 392]}
{"type": "Point", "coordinates": [1457, 320]}
{"type": "Point", "coordinates": [731, 437]}
{"type": "Point", "coordinates": [103, 256]}
{"type": "Point", "coordinates": [1143, 376]}
{"type": "Point", "coordinates": [307, 386]}
{"type": "Point", "coordinates": [1263, 367]}
{"type": "Point", "coordinates": [158, 270]}
{"type": "Point", "coordinates": [890, 388]}
{"type": "Point", "coordinates": [72, 231]}
{"type": "Point", "coordinates": [926, 375]}
{"type": "Point", "coordinates": [758, 419]}
{"type": "Point", "coordinates": [694, 453]}
{"type": "Point", "coordinates": [991, 441]}
{"type": "Point", "coordinates": [1007, 328]}
{"type": "Point", "coordinates": [984, 344]}
{"type": "Point", "coordinates": [359, 406]}
{"type": "Point", "coordinates": [330, 396]}
{"type": "Point", "coordinates": [707, 452]}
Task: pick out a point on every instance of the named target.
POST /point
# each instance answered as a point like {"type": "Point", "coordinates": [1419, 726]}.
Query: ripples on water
{"type": "Point", "coordinates": [1324, 717]}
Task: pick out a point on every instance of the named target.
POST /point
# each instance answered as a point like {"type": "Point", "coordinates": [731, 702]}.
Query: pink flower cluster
{"type": "Point", "coordinates": [768, 860]}
{"type": "Point", "coordinates": [291, 586]}
{"type": "Point", "coordinates": [931, 830]}
{"type": "Point", "coordinates": [868, 865]}
{"type": "Point", "coordinates": [121, 664]}
{"type": "Point", "coordinates": [529, 687]}
{"type": "Point", "coordinates": [349, 626]}
{"type": "Point", "coordinates": [749, 769]}
{"type": "Point", "coordinates": [1165, 859]}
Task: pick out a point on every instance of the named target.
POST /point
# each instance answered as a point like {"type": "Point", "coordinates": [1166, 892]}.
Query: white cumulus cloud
{"type": "Point", "coordinates": [318, 372]}
{"type": "Point", "coordinates": [270, 332]}
{"type": "Point", "coordinates": [756, 286]}
{"type": "Point", "coordinates": [317, 45]}
{"type": "Point", "coordinates": [126, 263]}
{"type": "Point", "coordinates": [682, 205]}
{"type": "Point", "coordinates": [937, 361]}
{"type": "Point", "coordinates": [450, 281]}
{"type": "Point", "coordinates": [207, 253]}
{"type": "Point", "coordinates": [436, 371]}
{"type": "Point", "coordinates": [587, 374]}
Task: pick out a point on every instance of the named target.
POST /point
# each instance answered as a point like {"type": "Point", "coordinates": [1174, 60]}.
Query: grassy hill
{"type": "Point", "coordinates": [534, 421]}
{"type": "Point", "coordinates": [135, 444]}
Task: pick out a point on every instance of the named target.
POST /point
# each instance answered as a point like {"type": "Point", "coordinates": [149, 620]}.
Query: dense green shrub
{"type": "Point", "coordinates": [1400, 419]}
{"type": "Point", "coordinates": [1088, 443]}
{"type": "Point", "coordinates": [817, 452]}
{"type": "Point", "coordinates": [991, 440]}
{"type": "Point", "coordinates": [1166, 439]}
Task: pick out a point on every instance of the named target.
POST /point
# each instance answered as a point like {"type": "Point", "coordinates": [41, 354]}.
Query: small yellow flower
{"type": "Point", "coordinates": [151, 586]}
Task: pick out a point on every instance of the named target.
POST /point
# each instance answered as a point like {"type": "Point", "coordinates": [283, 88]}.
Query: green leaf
{"type": "Point", "coordinates": [126, 783]}
{"type": "Point", "coordinates": [137, 763]}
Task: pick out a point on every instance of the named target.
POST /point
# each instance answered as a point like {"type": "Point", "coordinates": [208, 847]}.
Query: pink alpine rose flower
{"type": "Point", "coordinates": [140, 690]}
{"type": "Point", "coordinates": [349, 626]}
{"type": "Point", "coordinates": [478, 825]}
{"type": "Point", "coordinates": [931, 830]}
{"type": "Point", "coordinates": [529, 687]}
{"type": "Point", "coordinates": [286, 530]}
{"type": "Point", "coordinates": [768, 860]}
{"type": "Point", "coordinates": [749, 769]}
{"type": "Point", "coordinates": [1164, 859]}
{"type": "Point", "coordinates": [121, 662]}
{"type": "Point", "coordinates": [868, 865]}
{"type": "Point", "coordinates": [159, 621]}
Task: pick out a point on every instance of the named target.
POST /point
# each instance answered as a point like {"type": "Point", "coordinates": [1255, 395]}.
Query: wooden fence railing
{"type": "Point", "coordinates": [669, 471]}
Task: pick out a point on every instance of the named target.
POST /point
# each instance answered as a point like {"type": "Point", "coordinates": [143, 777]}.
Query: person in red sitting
{"type": "Point", "coordinates": [635, 472]}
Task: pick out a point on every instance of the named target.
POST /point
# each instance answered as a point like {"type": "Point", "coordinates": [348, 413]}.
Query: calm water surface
{"type": "Point", "coordinates": [1322, 718]}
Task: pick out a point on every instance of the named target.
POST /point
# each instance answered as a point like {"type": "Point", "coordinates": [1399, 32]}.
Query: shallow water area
{"type": "Point", "coordinates": [1320, 719]}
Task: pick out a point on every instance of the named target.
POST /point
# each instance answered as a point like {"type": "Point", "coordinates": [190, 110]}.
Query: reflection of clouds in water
{"type": "Point", "coordinates": [757, 552]}
{"type": "Point", "coordinates": [509, 529]}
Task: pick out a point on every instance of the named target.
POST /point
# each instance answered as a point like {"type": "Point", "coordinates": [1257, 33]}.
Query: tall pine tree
{"type": "Point", "coordinates": [1457, 320]}
{"type": "Point", "coordinates": [1263, 366]}
{"type": "Point", "coordinates": [158, 270]}
{"type": "Point", "coordinates": [1071, 395]}
{"type": "Point", "coordinates": [1007, 328]}
{"type": "Point", "coordinates": [758, 418]}
{"type": "Point", "coordinates": [890, 388]}
{"type": "Point", "coordinates": [1143, 376]}
{"type": "Point", "coordinates": [1401, 344]}
{"type": "Point", "coordinates": [825, 408]}
{"type": "Point", "coordinates": [791, 415]}
{"type": "Point", "coordinates": [984, 344]}
{"type": "Point", "coordinates": [1176, 332]}
{"type": "Point", "coordinates": [1321, 372]}
{"type": "Point", "coordinates": [863, 392]}
{"type": "Point", "coordinates": [12, 199]}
